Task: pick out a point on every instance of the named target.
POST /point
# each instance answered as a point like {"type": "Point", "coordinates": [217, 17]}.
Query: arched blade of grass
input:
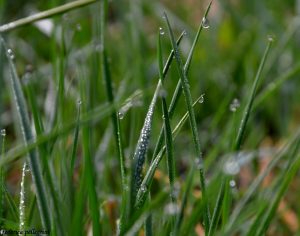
{"type": "Point", "coordinates": [147, 181]}
{"type": "Point", "coordinates": [140, 154]}
{"type": "Point", "coordinates": [45, 14]}
{"type": "Point", "coordinates": [178, 89]}
{"type": "Point", "coordinates": [167, 130]}
{"type": "Point", "coordinates": [256, 183]}
{"type": "Point", "coordinates": [192, 119]}
{"type": "Point", "coordinates": [262, 222]}
{"type": "Point", "coordinates": [34, 161]}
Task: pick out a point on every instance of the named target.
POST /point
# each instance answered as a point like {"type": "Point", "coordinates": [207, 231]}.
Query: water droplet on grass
{"type": "Point", "coordinates": [201, 99]}
{"type": "Point", "coordinates": [78, 27]}
{"type": "Point", "coordinates": [171, 209]}
{"type": "Point", "coordinates": [234, 105]}
{"type": "Point", "coordinates": [121, 115]}
{"type": "Point", "coordinates": [3, 132]}
{"type": "Point", "coordinates": [143, 188]}
{"type": "Point", "coordinates": [271, 38]}
{"type": "Point", "coordinates": [79, 102]}
{"type": "Point", "coordinates": [199, 163]}
{"type": "Point", "coordinates": [11, 54]}
{"type": "Point", "coordinates": [161, 31]}
{"type": "Point", "coordinates": [232, 183]}
{"type": "Point", "coordinates": [232, 167]}
{"type": "Point", "coordinates": [205, 23]}
{"type": "Point", "coordinates": [184, 32]}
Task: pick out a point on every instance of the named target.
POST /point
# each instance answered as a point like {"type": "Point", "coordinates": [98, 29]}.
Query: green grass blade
{"type": "Point", "coordinates": [192, 119]}
{"type": "Point", "coordinates": [45, 14]}
{"type": "Point", "coordinates": [89, 177]}
{"type": "Point", "coordinates": [75, 142]}
{"type": "Point", "coordinates": [258, 180]}
{"type": "Point", "coordinates": [283, 182]}
{"type": "Point", "coordinates": [217, 210]}
{"type": "Point", "coordinates": [178, 90]}
{"type": "Point", "coordinates": [248, 107]}
{"type": "Point", "coordinates": [147, 181]}
{"type": "Point", "coordinates": [167, 131]}
{"type": "Point", "coordinates": [34, 162]}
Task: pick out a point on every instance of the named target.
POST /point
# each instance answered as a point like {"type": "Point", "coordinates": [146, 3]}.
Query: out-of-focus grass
{"type": "Point", "coordinates": [107, 63]}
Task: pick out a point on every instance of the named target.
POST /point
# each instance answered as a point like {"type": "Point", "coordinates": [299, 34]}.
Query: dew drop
{"type": "Point", "coordinates": [171, 209]}
{"type": "Point", "coordinates": [232, 183]}
{"type": "Point", "coordinates": [234, 105]}
{"type": "Point", "coordinates": [201, 99]}
{"type": "Point", "coordinates": [162, 93]}
{"type": "Point", "coordinates": [161, 31]}
{"type": "Point", "coordinates": [232, 167]}
{"type": "Point", "coordinates": [205, 23]}
{"type": "Point", "coordinates": [11, 54]}
{"type": "Point", "coordinates": [143, 188]}
{"type": "Point", "coordinates": [271, 38]}
{"type": "Point", "coordinates": [184, 32]}
{"type": "Point", "coordinates": [199, 163]}
{"type": "Point", "coordinates": [78, 27]}
{"type": "Point", "coordinates": [79, 102]}
{"type": "Point", "coordinates": [3, 132]}
{"type": "Point", "coordinates": [121, 115]}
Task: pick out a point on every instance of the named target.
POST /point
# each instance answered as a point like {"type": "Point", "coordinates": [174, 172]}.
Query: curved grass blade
{"type": "Point", "coordinates": [192, 119]}
{"type": "Point", "coordinates": [34, 161]}
{"type": "Point", "coordinates": [147, 181]}
{"type": "Point", "coordinates": [140, 153]}
{"type": "Point", "coordinates": [45, 14]}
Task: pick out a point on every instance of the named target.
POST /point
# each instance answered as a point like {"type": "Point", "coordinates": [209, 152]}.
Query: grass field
{"type": "Point", "coordinates": [149, 117]}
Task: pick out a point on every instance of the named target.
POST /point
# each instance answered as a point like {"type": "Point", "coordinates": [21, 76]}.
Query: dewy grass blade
{"type": "Point", "coordinates": [192, 119]}
{"type": "Point", "coordinates": [140, 153]}
{"type": "Point", "coordinates": [34, 162]}
{"type": "Point", "coordinates": [167, 130]}
{"type": "Point", "coordinates": [142, 193]}
{"type": "Point", "coordinates": [45, 14]}
{"type": "Point", "coordinates": [178, 90]}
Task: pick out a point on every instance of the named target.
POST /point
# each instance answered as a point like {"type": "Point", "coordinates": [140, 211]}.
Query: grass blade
{"type": "Point", "coordinates": [178, 90]}
{"type": "Point", "coordinates": [192, 119]}
{"type": "Point", "coordinates": [167, 131]}
{"type": "Point", "coordinates": [45, 14]}
{"type": "Point", "coordinates": [34, 162]}
{"type": "Point", "coordinates": [248, 107]}
{"type": "Point", "coordinates": [147, 181]}
{"type": "Point", "coordinates": [256, 183]}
